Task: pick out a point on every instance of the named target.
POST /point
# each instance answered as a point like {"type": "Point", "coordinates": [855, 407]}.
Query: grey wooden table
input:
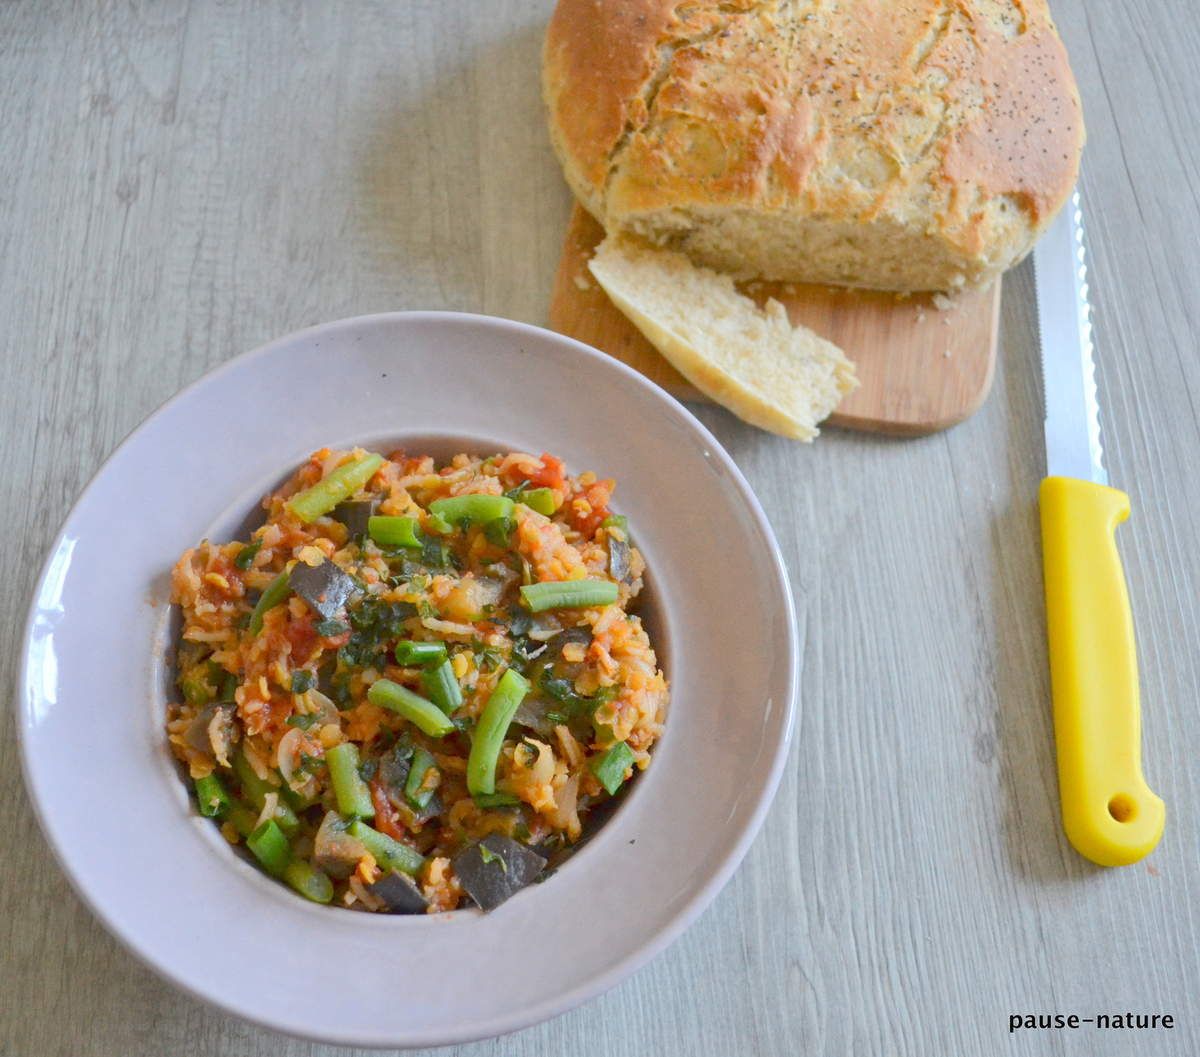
{"type": "Point", "coordinates": [180, 184]}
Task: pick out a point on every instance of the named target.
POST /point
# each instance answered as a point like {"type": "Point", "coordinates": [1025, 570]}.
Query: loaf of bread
{"type": "Point", "coordinates": [774, 375]}
{"type": "Point", "coordinates": [893, 144]}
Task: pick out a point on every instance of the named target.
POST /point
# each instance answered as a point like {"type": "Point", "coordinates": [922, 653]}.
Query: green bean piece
{"type": "Point", "coordinates": [353, 796]}
{"type": "Point", "coordinates": [389, 853]}
{"type": "Point", "coordinates": [416, 791]}
{"type": "Point", "coordinates": [335, 486]}
{"type": "Point", "coordinates": [410, 653]}
{"type": "Point", "coordinates": [227, 687]}
{"type": "Point", "coordinates": [439, 682]}
{"type": "Point", "coordinates": [540, 499]}
{"type": "Point", "coordinates": [499, 531]}
{"type": "Point", "coordinates": [394, 531]}
{"type": "Point", "coordinates": [211, 796]}
{"type": "Point", "coordinates": [308, 881]}
{"type": "Point", "coordinates": [255, 790]}
{"type": "Point", "coordinates": [437, 523]}
{"type": "Point", "coordinates": [568, 594]}
{"type": "Point", "coordinates": [243, 820]}
{"type": "Point", "coordinates": [425, 715]}
{"type": "Point", "coordinates": [270, 847]}
{"type": "Point", "coordinates": [486, 800]}
{"type": "Point", "coordinates": [610, 768]}
{"type": "Point", "coordinates": [478, 509]}
{"type": "Point", "coordinates": [616, 521]}
{"type": "Point", "coordinates": [493, 724]}
{"type": "Point", "coordinates": [195, 687]}
{"type": "Point", "coordinates": [277, 590]}
{"type": "Point", "coordinates": [245, 557]}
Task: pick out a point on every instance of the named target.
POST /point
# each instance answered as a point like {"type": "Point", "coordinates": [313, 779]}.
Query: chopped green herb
{"type": "Point", "coordinates": [488, 856]}
{"type": "Point", "coordinates": [577, 704]}
{"type": "Point", "coordinates": [302, 681]}
{"type": "Point", "coordinates": [367, 769]}
{"type": "Point", "coordinates": [309, 764]}
{"type": "Point", "coordinates": [525, 650]}
{"type": "Point", "coordinates": [373, 622]}
{"type": "Point", "coordinates": [303, 722]}
{"type": "Point", "coordinates": [434, 553]}
{"type": "Point", "coordinates": [245, 557]}
{"type": "Point", "coordinates": [329, 629]}
{"type": "Point", "coordinates": [499, 532]}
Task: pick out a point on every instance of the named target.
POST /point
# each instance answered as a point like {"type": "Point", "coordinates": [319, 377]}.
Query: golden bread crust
{"type": "Point", "coordinates": [896, 143]}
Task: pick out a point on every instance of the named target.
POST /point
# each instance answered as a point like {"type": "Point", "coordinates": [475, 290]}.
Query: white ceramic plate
{"type": "Point", "coordinates": [93, 683]}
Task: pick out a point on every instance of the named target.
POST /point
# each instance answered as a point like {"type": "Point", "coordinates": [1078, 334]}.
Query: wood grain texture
{"type": "Point", "coordinates": [180, 183]}
{"type": "Point", "coordinates": [920, 369]}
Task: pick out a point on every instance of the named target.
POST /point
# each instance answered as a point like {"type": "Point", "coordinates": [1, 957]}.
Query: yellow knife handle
{"type": "Point", "coordinates": [1109, 813]}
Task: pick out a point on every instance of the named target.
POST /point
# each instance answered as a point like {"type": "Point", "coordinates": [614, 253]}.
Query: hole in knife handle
{"type": "Point", "coordinates": [1122, 808]}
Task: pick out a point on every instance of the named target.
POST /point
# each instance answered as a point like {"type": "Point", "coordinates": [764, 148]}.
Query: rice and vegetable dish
{"type": "Point", "coordinates": [411, 686]}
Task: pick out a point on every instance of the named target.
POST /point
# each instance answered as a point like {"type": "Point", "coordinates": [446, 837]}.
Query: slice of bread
{"type": "Point", "coordinates": [773, 375]}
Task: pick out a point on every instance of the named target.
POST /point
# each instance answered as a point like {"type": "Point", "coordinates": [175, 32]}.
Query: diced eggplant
{"type": "Point", "coordinates": [618, 559]}
{"type": "Point", "coordinates": [212, 732]}
{"type": "Point", "coordinates": [355, 513]}
{"type": "Point", "coordinates": [433, 807]}
{"type": "Point", "coordinates": [531, 713]}
{"type": "Point", "coordinates": [495, 869]}
{"type": "Point", "coordinates": [581, 635]}
{"type": "Point", "coordinates": [399, 893]}
{"type": "Point", "coordinates": [334, 850]}
{"type": "Point", "coordinates": [394, 766]}
{"type": "Point", "coordinates": [324, 587]}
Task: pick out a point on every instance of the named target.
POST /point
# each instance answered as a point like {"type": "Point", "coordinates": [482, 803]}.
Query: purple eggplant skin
{"type": "Point", "coordinates": [400, 894]}
{"type": "Point", "coordinates": [618, 560]}
{"type": "Point", "coordinates": [334, 850]}
{"type": "Point", "coordinates": [199, 734]}
{"type": "Point", "coordinates": [394, 766]}
{"type": "Point", "coordinates": [324, 587]}
{"type": "Point", "coordinates": [495, 869]}
{"type": "Point", "coordinates": [355, 513]}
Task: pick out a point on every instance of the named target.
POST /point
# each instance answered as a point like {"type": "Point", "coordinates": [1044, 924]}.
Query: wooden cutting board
{"type": "Point", "coordinates": [920, 368]}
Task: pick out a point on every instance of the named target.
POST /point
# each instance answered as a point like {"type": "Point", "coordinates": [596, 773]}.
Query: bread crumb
{"type": "Point", "coordinates": [581, 281]}
{"type": "Point", "coordinates": [946, 354]}
{"type": "Point", "coordinates": [920, 314]}
{"type": "Point", "coordinates": [943, 303]}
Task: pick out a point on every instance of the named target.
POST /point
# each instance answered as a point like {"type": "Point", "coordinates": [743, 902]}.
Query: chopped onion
{"type": "Point", "coordinates": [270, 806]}
{"type": "Point", "coordinates": [287, 752]}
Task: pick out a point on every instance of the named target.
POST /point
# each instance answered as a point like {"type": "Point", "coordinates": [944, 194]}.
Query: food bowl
{"type": "Point", "coordinates": [94, 681]}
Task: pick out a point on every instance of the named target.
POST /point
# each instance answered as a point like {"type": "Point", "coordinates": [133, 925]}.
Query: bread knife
{"type": "Point", "coordinates": [1109, 813]}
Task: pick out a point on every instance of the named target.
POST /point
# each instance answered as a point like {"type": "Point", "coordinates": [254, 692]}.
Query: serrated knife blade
{"type": "Point", "coordinates": [1109, 813]}
{"type": "Point", "coordinates": [1065, 331]}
